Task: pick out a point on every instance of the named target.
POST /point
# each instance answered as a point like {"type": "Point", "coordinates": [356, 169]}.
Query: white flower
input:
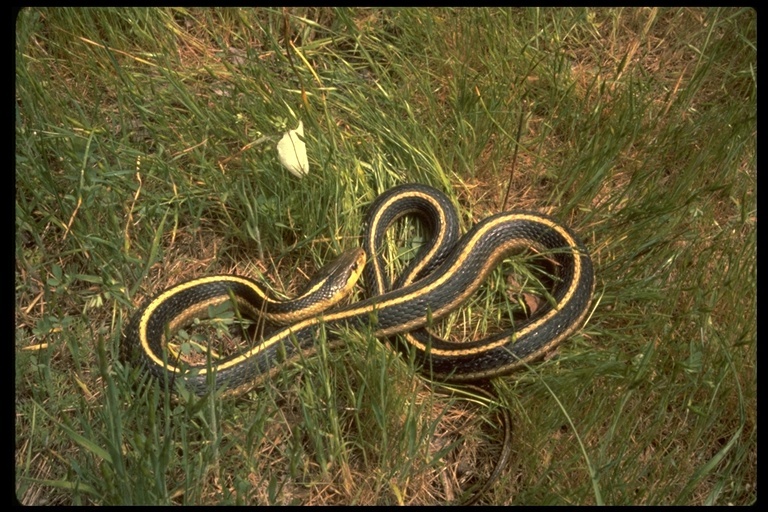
{"type": "Point", "coordinates": [292, 152]}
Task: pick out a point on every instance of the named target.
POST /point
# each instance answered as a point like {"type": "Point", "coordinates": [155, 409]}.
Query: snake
{"type": "Point", "coordinates": [447, 270]}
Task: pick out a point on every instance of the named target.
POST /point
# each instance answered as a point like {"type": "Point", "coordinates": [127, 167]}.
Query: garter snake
{"type": "Point", "coordinates": [445, 273]}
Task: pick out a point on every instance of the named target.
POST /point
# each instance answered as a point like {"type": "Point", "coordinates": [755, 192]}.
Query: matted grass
{"type": "Point", "coordinates": [145, 155]}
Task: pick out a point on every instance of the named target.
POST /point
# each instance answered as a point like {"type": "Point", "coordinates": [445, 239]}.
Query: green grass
{"type": "Point", "coordinates": [145, 154]}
